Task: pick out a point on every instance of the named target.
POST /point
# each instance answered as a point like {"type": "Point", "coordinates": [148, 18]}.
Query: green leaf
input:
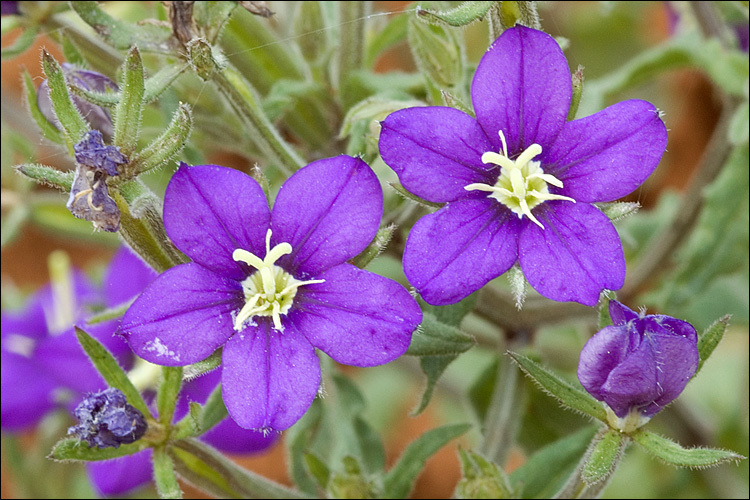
{"type": "Point", "coordinates": [298, 440]}
{"type": "Point", "coordinates": [208, 469]}
{"type": "Point", "coordinates": [434, 338]}
{"type": "Point", "coordinates": [166, 396]}
{"type": "Point", "coordinates": [112, 373]}
{"type": "Point", "coordinates": [740, 125]}
{"type": "Point", "coordinates": [409, 196]}
{"type": "Point", "coordinates": [604, 298]}
{"type": "Point", "coordinates": [47, 176]}
{"type": "Point", "coordinates": [605, 453]}
{"type": "Point", "coordinates": [577, 93]}
{"type": "Point", "coordinates": [433, 367]}
{"type": "Point", "coordinates": [55, 218]}
{"type": "Point", "coordinates": [481, 390]}
{"type": "Point", "coordinates": [128, 114]}
{"type": "Point", "coordinates": [481, 478]}
{"type": "Point", "coordinates": [213, 411]}
{"type": "Point", "coordinates": [73, 449]}
{"type": "Point", "coordinates": [710, 338]}
{"type": "Point", "coordinates": [375, 248]}
{"type": "Point", "coordinates": [565, 392]}
{"type": "Point", "coordinates": [618, 210]}
{"type": "Point", "coordinates": [164, 475]}
{"type": "Point", "coordinates": [21, 44]}
{"type": "Point", "coordinates": [210, 363]}
{"type": "Point", "coordinates": [376, 107]}
{"type": "Point", "coordinates": [109, 313]}
{"type": "Point", "coordinates": [120, 34]}
{"type": "Point", "coordinates": [49, 131]}
{"type": "Point", "coordinates": [317, 468]}
{"type": "Point", "coordinates": [465, 13]}
{"type": "Point", "coordinates": [310, 31]}
{"type": "Point", "coordinates": [672, 453]}
{"type": "Point", "coordinates": [438, 54]}
{"type": "Point", "coordinates": [400, 479]}
{"type": "Point", "coordinates": [168, 144]}
{"type": "Point", "coordinates": [71, 120]}
{"type": "Point", "coordinates": [549, 467]}
{"type": "Point", "coordinates": [13, 223]}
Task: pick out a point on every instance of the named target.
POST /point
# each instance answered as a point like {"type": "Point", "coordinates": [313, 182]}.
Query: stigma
{"type": "Point", "coordinates": [269, 290]}
{"type": "Point", "coordinates": [522, 184]}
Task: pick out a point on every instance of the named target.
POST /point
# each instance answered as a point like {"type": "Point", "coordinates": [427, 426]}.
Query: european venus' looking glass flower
{"type": "Point", "coordinates": [518, 181]}
{"type": "Point", "coordinates": [638, 365]}
{"type": "Point", "coordinates": [271, 286]}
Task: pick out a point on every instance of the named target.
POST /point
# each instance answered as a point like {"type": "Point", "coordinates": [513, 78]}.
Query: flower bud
{"type": "Point", "coordinates": [96, 116]}
{"type": "Point", "coordinates": [638, 365]}
{"type": "Point", "coordinates": [107, 420]}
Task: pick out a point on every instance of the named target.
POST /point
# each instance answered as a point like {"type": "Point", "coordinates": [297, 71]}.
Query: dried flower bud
{"type": "Point", "coordinates": [107, 420]}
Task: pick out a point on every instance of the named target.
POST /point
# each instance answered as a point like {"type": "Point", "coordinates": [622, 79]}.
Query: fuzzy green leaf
{"type": "Point", "coordinates": [164, 475]}
{"type": "Point", "coordinates": [605, 454]}
{"type": "Point", "coordinates": [435, 338]}
{"type": "Point", "coordinates": [672, 453]}
{"type": "Point", "coordinates": [71, 120]}
{"type": "Point", "coordinates": [465, 13]}
{"type": "Point", "coordinates": [710, 338]}
{"type": "Point", "coordinates": [47, 175]}
{"type": "Point", "coordinates": [73, 449]}
{"type": "Point", "coordinates": [168, 144]}
{"type": "Point", "coordinates": [129, 109]}
{"type": "Point", "coordinates": [49, 131]}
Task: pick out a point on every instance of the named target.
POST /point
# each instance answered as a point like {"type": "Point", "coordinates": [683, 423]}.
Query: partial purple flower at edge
{"type": "Point", "coordinates": [519, 180]}
{"type": "Point", "coordinates": [8, 8]}
{"type": "Point", "coordinates": [272, 286]}
{"type": "Point", "coordinates": [638, 365]}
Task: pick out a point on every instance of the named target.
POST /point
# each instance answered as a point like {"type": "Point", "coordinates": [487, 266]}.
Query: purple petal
{"type": "Point", "coordinates": [575, 256]}
{"type": "Point", "coordinates": [458, 249]}
{"type": "Point", "coordinates": [30, 322]}
{"type": "Point", "coordinates": [328, 211]}
{"type": "Point", "coordinates": [269, 378]}
{"type": "Point", "coordinates": [606, 156]}
{"type": "Point", "coordinates": [601, 354]}
{"type": "Point", "coordinates": [210, 211]}
{"type": "Point", "coordinates": [633, 382]}
{"type": "Point", "coordinates": [436, 151]}
{"type": "Point", "coordinates": [620, 313]}
{"type": "Point", "coordinates": [227, 435]}
{"type": "Point", "coordinates": [64, 359]}
{"type": "Point", "coordinates": [26, 390]}
{"type": "Point", "coordinates": [356, 317]}
{"type": "Point", "coordinates": [522, 87]}
{"type": "Point", "coordinates": [121, 475]}
{"type": "Point", "coordinates": [126, 277]}
{"type": "Point", "coordinates": [183, 316]}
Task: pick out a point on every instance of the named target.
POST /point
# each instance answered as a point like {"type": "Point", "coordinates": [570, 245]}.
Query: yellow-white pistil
{"type": "Point", "coordinates": [270, 290]}
{"type": "Point", "coordinates": [522, 183]}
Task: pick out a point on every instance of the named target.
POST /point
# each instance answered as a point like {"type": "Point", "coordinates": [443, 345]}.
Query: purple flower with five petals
{"type": "Point", "coordinates": [519, 180]}
{"type": "Point", "coordinates": [638, 365]}
{"type": "Point", "coordinates": [271, 286]}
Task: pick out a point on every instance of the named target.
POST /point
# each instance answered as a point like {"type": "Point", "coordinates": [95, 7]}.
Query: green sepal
{"type": "Point", "coordinates": [454, 102]}
{"type": "Point", "coordinates": [49, 131]}
{"type": "Point", "coordinates": [128, 112]}
{"type": "Point", "coordinates": [376, 107]}
{"type": "Point", "coordinates": [577, 93]}
{"type": "Point", "coordinates": [72, 54]}
{"type": "Point", "coordinates": [604, 298]}
{"type": "Point", "coordinates": [213, 411]}
{"type": "Point", "coordinates": [47, 176]}
{"type": "Point", "coordinates": [310, 31]}
{"type": "Point", "coordinates": [210, 363]}
{"type": "Point", "coordinates": [120, 34]}
{"type": "Point", "coordinates": [438, 55]}
{"type": "Point", "coordinates": [166, 396]}
{"type": "Point", "coordinates": [618, 210]}
{"type": "Point", "coordinates": [399, 480]}
{"type": "Point", "coordinates": [410, 196]}
{"type": "Point", "coordinates": [566, 393]}
{"type": "Point", "coordinates": [112, 373]}
{"type": "Point", "coordinates": [603, 456]}
{"type": "Point", "coordinates": [73, 449]}
{"type": "Point", "coordinates": [548, 469]}
{"type": "Point", "coordinates": [710, 338]}
{"type": "Point", "coordinates": [21, 44]}
{"type": "Point", "coordinates": [435, 338]}
{"type": "Point", "coordinates": [70, 118]}
{"type": "Point", "coordinates": [110, 313]}
{"type": "Point", "coordinates": [167, 145]}
{"type": "Point", "coordinates": [212, 472]}
{"type": "Point", "coordinates": [481, 478]}
{"type": "Point", "coordinates": [672, 453]}
{"type": "Point", "coordinates": [164, 474]}
{"type": "Point", "coordinates": [375, 248]}
{"type": "Point", "coordinates": [317, 469]}
{"type": "Point", "coordinates": [466, 13]}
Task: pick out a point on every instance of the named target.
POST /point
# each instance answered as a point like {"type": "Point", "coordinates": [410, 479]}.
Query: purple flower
{"type": "Point", "coordinates": [97, 116]}
{"type": "Point", "coordinates": [8, 8]}
{"type": "Point", "coordinates": [106, 420]}
{"type": "Point", "coordinates": [519, 181]}
{"type": "Point", "coordinates": [638, 365]}
{"type": "Point", "coordinates": [271, 286]}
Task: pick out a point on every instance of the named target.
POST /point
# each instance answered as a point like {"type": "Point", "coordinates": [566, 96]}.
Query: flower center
{"type": "Point", "coordinates": [270, 290]}
{"type": "Point", "coordinates": [522, 183]}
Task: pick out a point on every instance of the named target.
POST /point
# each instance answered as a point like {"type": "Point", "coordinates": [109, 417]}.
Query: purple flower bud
{"type": "Point", "coordinates": [107, 420]}
{"type": "Point", "coordinates": [89, 197]}
{"type": "Point", "coordinates": [96, 116]}
{"type": "Point", "coordinates": [638, 365]}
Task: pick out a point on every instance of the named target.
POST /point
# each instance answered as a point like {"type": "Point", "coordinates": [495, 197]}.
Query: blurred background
{"type": "Point", "coordinates": [602, 36]}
